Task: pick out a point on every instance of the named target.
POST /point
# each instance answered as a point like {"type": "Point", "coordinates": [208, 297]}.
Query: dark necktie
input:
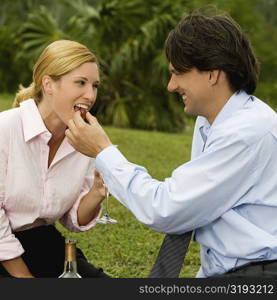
{"type": "Point", "coordinates": [171, 256]}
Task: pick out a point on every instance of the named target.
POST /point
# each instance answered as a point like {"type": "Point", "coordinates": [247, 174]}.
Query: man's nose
{"type": "Point", "coordinates": [172, 85]}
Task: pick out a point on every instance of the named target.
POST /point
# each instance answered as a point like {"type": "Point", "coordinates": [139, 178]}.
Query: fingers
{"type": "Point", "coordinates": [74, 124]}
{"type": "Point", "coordinates": [71, 133]}
{"type": "Point", "coordinates": [78, 120]}
{"type": "Point", "coordinates": [98, 181]}
{"type": "Point", "coordinates": [96, 173]}
{"type": "Point", "coordinates": [98, 176]}
{"type": "Point", "coordinates": [92, 120]}
{"type": "Point", "coordinates": [68, 134]}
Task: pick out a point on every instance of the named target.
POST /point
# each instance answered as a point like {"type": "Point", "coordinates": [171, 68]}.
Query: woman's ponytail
{"type": "Point", "coordinates": [24, 94]}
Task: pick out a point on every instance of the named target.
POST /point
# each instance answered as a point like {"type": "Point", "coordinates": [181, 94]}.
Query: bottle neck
{"type": "Point", "coordinates": [70, 266]}
{"type": "Point", "coordinates": [70, 252]}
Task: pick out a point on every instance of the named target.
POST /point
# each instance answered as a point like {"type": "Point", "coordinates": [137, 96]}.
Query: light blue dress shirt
{"type": "Point", "coordinates": [226, 193]}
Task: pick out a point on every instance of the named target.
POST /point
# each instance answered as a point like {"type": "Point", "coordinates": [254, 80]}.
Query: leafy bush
{"type": "Point", "coordinates": [128, 38]}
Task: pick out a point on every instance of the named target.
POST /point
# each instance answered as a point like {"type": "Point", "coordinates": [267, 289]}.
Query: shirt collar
{"type": "Point", "coordinates": [33, 124]}
{"type": "Point", "coordinates": [235, 102]}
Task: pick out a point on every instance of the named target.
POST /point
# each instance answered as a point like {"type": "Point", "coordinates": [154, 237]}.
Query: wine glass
{"type": "Point", "coordinates": [106, 219]}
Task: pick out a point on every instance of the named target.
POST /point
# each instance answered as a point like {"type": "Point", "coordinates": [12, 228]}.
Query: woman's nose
{"type": "Point", "coordinates": [90, 93]}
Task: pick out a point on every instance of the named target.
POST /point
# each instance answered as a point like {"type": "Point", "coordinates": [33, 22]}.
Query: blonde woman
{"type": "Point", "coordinates": [42, 178]}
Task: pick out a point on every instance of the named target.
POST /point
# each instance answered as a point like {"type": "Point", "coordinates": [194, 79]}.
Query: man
{"type": "Point", "coordinates": [227, 192]}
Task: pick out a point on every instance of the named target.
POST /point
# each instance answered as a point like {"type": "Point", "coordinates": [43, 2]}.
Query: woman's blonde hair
{"type": "Point", "coordinates": [57, 59]}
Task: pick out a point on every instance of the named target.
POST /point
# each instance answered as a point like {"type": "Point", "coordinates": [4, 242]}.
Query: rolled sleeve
{"type": "Point", "coordinates": [70, 220]}
{"type": "Point", "coordinates": [10, 247]}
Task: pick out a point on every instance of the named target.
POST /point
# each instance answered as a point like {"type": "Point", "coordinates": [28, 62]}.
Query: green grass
{"type": "Point", "coordinates": [6, 101]}
{"type": "Point", "coordinates": [128, 249]}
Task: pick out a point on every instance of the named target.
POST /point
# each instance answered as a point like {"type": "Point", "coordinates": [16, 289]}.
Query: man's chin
{"type": "Point", "coordinates": [189, 111]}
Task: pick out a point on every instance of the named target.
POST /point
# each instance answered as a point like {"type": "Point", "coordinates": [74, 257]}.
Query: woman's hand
{"type": "Point", "coordinates": [98, 186]}
{"type": "Point", "coordinates": [90, 204]}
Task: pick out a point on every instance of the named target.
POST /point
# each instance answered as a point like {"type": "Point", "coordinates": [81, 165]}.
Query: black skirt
{"type": "Point", "coordinates": [45, 252]}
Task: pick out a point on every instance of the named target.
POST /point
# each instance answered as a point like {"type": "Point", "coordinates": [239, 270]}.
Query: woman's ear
{"type": "Point", "coordinates": [47, 84]}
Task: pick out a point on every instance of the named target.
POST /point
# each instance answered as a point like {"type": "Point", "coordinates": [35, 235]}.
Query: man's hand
{"type": "Point", "coordinates": [89, 139]}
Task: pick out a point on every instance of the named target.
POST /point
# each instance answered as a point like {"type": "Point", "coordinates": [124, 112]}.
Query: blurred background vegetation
{"type": "Point", "coordinates": [128, 38]}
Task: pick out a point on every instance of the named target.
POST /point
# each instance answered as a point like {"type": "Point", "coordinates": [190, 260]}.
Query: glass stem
{"type": "Point", "coordinates": [106, 203]}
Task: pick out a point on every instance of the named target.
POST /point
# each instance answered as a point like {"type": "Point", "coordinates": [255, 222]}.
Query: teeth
{"type": "Point", "coordinates": [86, 107]}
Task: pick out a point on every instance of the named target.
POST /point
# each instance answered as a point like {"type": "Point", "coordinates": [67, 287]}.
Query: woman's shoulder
{"type": "Point", "coordinates": [9, 116]}
{"type": "Point", "coordinates": [9, 119]}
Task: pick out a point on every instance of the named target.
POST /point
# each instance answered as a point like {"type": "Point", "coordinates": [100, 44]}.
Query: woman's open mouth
{"type": "Point", "coordinates": [83, 108]}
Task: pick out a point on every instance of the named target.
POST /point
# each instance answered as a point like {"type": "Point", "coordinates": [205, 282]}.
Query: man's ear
{"type": "Point", "coordinates": [214, 76]}
{"type": "Point", "coordinates": [47, 84]}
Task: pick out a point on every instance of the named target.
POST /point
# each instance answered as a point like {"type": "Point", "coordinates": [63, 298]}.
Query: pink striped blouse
{"type": "Point", "coordinates": [31, 194]}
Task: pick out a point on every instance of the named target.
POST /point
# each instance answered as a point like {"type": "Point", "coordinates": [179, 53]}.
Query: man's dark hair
{"type": "Point", "coordinates": [213, 43]}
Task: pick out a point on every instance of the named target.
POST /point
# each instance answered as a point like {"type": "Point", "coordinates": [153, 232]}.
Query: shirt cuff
{"type": "Point", "coordinates": [10, 248]}
{"type": "Point", "coordinates": [108, 159]}
{"type": "Point", "coordinates": [72, 223]}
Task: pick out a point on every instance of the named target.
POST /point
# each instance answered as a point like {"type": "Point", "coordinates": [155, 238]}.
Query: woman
{"type": "Point", "coordinates": [42, 178]}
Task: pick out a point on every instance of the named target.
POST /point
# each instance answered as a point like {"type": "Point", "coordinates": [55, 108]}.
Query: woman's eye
{"type": "Point", "coordinates": [81, 82]}
{"type": "Point", "coordinates": [96, 85]}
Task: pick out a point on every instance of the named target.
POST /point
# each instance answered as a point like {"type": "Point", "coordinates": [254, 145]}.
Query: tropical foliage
{"type": "Point", "coordinates": [128, 38]}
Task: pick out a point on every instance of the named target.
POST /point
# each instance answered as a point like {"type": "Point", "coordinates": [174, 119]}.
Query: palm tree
{"type": "Point", "coordinates": [40, 29]}
{"type": "Point", "coordinates": [128, 37]}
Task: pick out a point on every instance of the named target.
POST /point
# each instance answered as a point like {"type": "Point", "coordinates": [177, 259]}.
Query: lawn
{"type": "Point", "coordinates": [6, 101]}
{"type": "Point", "coordinates": [128, 249]}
